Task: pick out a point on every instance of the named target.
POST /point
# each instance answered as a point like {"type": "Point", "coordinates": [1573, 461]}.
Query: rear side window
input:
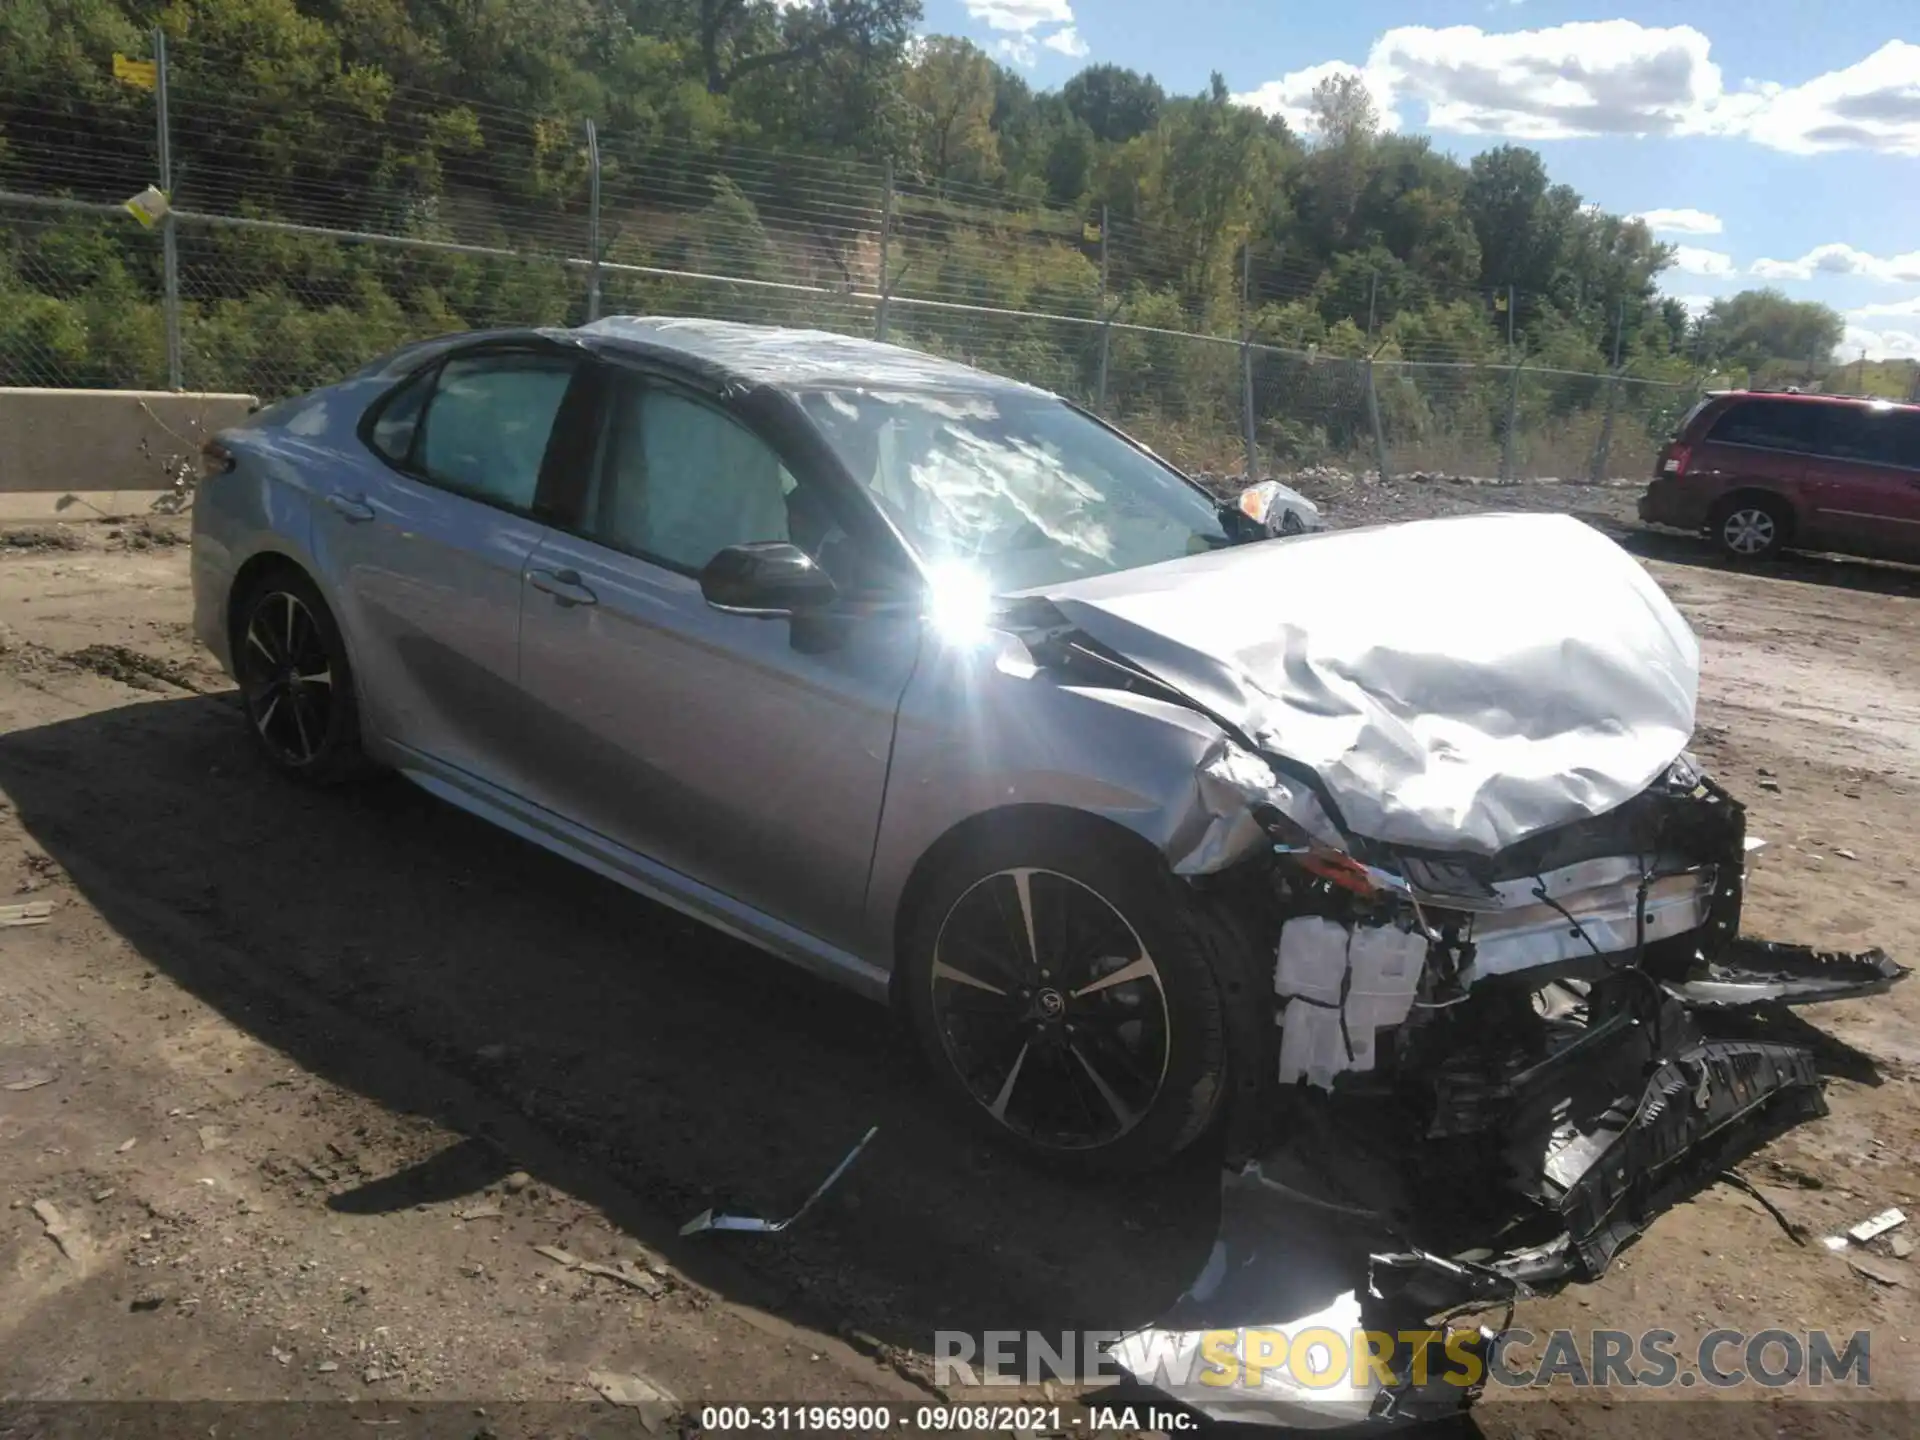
{"type": "Point", "coordinates": [486, 426]}
{"type": "Point", "coordinates": [1769, 425]}
{"type": "Point", "coordinates": [399, 417]}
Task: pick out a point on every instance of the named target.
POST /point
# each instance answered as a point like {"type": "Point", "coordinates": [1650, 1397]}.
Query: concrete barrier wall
{"type": "Point", "coordinates": [74, 453]}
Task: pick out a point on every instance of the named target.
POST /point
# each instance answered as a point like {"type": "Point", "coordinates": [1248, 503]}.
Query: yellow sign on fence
{"type": "Point", "coordinates": [134, 72]}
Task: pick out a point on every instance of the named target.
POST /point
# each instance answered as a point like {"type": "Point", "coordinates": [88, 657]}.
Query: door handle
{"type": "Point", "coordinates": [353, 507]}
{"type": "Point", "coordinates": [563, 585]}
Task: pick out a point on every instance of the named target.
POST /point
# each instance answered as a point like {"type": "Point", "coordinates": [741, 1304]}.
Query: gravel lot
{"type": "Point", "coordinates": [302, 1080]}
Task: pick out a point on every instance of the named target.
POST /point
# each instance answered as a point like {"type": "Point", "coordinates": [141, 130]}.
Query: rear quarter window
{"type": "Point", "coordinates": [1769, 425]}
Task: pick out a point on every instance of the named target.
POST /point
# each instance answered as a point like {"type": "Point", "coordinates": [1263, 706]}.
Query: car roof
{"type": "Point", "coordinates": [788, 359]}
{"type": "Point", "coordinates": [1815, 396]}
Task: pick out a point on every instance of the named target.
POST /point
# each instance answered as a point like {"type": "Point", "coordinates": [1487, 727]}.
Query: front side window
{"type": "Point", "coordinates": [1021, 489]}
{"type": "Point", "coordinates": [485, 428]}
{"type": "Point", "coordinates": [678, 480]}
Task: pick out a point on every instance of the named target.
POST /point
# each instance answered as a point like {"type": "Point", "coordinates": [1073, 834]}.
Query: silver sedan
{"type": "Point", "coordinates": [1133, 806]}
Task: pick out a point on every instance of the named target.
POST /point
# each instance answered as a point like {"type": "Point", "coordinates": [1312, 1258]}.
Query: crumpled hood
{"type": "Point", "coordinates": [1456, 684]}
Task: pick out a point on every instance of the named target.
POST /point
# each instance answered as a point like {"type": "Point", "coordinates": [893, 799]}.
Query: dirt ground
{"type": "Point", "coordinates": [292, 1085]}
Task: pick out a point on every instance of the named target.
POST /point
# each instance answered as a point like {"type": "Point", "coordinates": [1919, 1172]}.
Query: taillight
{"type": "Point", "coordinates": [215, 459]}
{"type": "Point", "coordinates": [1676, 462]}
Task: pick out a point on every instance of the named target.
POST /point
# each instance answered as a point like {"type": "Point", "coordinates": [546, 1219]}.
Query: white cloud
{"type": "Point", "coordinates": [1681, 222]}
{"type": "Point", "coordinates": [1068, 43]}
{"type": "Point", "coordinates": [1291, 95]}
{"type": "Point", "coordinates": [1695, 305]}
{"type": "Point", "coordinates": [1609, 77]}
{"type": "Point", "coordinates": [1880, 344]}
{"type": "Point", "coordinates": [1690, 260]}
{"type": "Point", "coordinates": [1021, 22]}
{"type": "Point", "coordinates": [1843, 260]}
{"type": "Point", "coordinates": [1018, 50]}
{"type": "Point", "coordinates": [1905, 309]}
{"type": "Point", "coordinates": [1606, 77]}
{"type": "Point", "coordinates": [1023, 16]}
{"type": "Point", "coordinates": [1874, 105]}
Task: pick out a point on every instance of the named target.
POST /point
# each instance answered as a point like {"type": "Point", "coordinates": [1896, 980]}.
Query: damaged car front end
{"type": "Point", "coordinates": [1498, 908]}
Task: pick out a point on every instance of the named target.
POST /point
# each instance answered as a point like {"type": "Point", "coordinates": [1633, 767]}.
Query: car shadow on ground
{"type": "Point", "coordinates": [1870, 577]}
{"type": "Point", "coordinates": [620, 1052]}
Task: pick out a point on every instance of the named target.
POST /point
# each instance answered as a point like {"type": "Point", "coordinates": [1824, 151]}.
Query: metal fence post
{"type": "Point", "coordinates": [1246, 363]}
{"type": "Point", "coordinates": [1513, 416]}
{"type": "Point", "coordinates": [1373, 419]}
{"type": "Point", "coordinates": [1106, 320]}
{"type": "Point", "coordinates": [593, 222]}
{"type": "Point", "coordinates": [1601, 450]}
{"type": "Point", "coordinates": [169, 241]}
{"type": "Point", "coordinates": [886, 244]}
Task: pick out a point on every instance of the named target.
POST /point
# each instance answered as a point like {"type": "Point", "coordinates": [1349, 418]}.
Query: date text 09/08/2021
{"type": "Point", "coordinates": [875, 1419]}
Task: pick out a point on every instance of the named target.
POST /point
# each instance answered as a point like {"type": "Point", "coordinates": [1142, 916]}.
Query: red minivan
{"type": "Point", "coordinates": [1761, 472]}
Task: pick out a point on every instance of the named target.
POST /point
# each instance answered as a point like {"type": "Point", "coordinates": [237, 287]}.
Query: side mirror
{"type": "Point", "coordinates": [768, 577]}
{"type": "Point", "coordinates": [1276, 509]}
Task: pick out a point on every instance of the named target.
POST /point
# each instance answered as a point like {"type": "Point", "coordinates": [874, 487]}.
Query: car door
{"type": "Point", "coordinates": [1864, 479]}
{"type": "Point", "coordinates": [727, 747]}
{"type": "Point", "coordinates": [424, 542]}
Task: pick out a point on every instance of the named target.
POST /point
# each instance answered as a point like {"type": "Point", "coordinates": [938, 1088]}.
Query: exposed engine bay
{"type": "Point", "coordinates": [1491, 1074]}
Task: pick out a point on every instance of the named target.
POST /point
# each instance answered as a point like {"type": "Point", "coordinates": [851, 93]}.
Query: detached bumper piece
{"type": "Point", "coordinates": [1751, 973]}
{"type": "Point", "coordinates": [1608, 1178]}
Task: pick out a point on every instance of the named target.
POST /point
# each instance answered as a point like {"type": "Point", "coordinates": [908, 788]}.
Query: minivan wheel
{"type": "Point", "coordinates": [294, 680]}
{"type": "Point", "coordinates": [1750, 528]}
{"type": "Point", "coordinates": [1055, 983]}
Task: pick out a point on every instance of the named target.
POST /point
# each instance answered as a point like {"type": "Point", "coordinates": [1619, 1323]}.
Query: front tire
{"type": "Point", "coordinates": [295, 682]}
{"type": "Point", "coordinates": [1056, 982]}
{"type": "Point", "coordinates": [1751, 528]}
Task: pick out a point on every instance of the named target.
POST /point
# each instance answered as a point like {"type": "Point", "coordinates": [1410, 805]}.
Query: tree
{"type": "Point", "coordinates": [738, 38]}
{"type": "Point", "coordinates": [1756, 326]}
{"type": "Point", "coordinates": [949, 84]}
{"type": "Point", "coordinates": [1116, 104]}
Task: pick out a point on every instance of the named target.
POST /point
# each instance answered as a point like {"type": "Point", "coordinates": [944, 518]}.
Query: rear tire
{"type": "Point", "coordinates": [1750, 529]}
{"type": "Point", "coordinates": [1056, 982]}
{"type": "Point", "coordinates": [295, 682]}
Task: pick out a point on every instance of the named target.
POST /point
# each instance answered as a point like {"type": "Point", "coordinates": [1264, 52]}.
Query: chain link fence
{"type": "Point", "coordinates": [283, 277]}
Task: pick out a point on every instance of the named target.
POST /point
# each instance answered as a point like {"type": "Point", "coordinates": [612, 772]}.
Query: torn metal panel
{"type": "Point", "coordinates": [1458, 685]}
{"type": "Point", "coordinates": [1231, 785]}
{"type": "Point", "coordinates": [1279, 1268]}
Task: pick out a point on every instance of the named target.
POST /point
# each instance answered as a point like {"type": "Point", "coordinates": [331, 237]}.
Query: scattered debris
{"type": "Point", "coordinates": [34, 912]}
{"type": "Point", "coordinates": [32, 1080]}
{"type": "Point", "coordinates": [707, 1220]}
{"type": "Point", "coordinates": [373, 1375]}
{"type": "Point", "coordinates": [1880, 1271]}
{"type": "Point", "coordinates": [1900, 1245]}
{"type": "Point", "coordinates": [213, 1137]}
{"type": "Point", "coordinates": [100, 1197]}
{"type": "Point", "coordinates": [1795, 1232]}
{"type": "Point", "coordinates": [125, 1145]}
{"type": "Point", "coordinates": [59, 1231]}
{"type": "Point", "coordinates": [565, 1258]}
{"type": "Point", "coordinates": [282, 1357]}
{"type": "Point", "coordinates": [478, 1212]}
{"type": "Point", "coordinates": [627, 1273]}
{"type": "Point", "coordinates": [1771, 786]}
{"type": "Point", "coordinates": [654, 1402]}
{"type": "Point", "coordinates": [326, 1367]}
{"type": "Point", "coordinates": [1844, 853]}
{"type": "Point", "coordinates": [1834, 1242]}
{"type": "Point", "coordinates": [516, 1182]}
{"type": "Point", "coordinates": [1878, 1224]}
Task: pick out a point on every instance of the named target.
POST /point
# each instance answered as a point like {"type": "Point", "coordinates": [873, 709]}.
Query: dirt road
{"type": "Point", "coordinates": [303, 1079]}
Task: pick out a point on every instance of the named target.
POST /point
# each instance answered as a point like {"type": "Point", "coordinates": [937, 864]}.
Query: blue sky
{"type": "Point", "coordinates": [1776, 141]}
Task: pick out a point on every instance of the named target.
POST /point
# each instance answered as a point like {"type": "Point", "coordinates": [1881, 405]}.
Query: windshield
{"type": "Point", "coordinates": [1023, 489]}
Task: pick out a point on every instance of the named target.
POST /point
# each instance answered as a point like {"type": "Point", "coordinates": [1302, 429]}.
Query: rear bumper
{"type": "Point", "coordinates": [1680, 503]}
